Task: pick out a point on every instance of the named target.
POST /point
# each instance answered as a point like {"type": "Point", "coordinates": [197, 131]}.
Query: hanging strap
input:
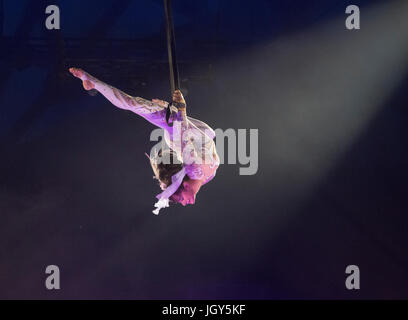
{"type": "Point", "coordinates": [171, 50]}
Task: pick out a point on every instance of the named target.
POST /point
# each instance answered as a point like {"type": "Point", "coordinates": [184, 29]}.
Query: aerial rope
{"type": "Point", "coordinates": [171, 51]}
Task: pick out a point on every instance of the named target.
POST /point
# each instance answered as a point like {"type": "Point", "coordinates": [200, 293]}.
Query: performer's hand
{"type": "Point", "coordinates": [81, 74]}
{"type": "Point", "coordinates": [178, 97]}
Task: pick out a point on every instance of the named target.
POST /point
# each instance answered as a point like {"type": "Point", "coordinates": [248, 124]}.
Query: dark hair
{"type": "Point", "coordinates": [164, 170]}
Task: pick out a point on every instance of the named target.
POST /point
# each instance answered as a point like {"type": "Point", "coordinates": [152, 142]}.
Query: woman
{"type": "Point", "coordinates": [192, 159]}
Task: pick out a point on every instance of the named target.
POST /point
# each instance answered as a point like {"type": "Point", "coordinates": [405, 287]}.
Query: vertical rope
{"type": "Point", "coordinates": [1, 18]}
{"type": "Point", "coordinates": [171, 48]}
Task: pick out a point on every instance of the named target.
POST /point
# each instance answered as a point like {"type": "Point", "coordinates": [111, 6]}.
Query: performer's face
{"type": "Point", "coordinates": [187, 194]}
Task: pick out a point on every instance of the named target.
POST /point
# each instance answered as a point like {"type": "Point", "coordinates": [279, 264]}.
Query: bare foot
{"type": "Point", "coordinates": [81, 74]}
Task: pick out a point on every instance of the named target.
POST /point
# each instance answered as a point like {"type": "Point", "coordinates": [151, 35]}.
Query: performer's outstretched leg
{"type": "Point", "coordinates": [153, 111]}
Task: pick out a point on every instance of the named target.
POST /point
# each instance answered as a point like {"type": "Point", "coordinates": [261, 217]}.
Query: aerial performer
{"type": "Point", "coordinates": [189, 159]}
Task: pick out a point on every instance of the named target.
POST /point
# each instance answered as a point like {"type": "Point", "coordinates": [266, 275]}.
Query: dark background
{"type": "Point", "coordinates": [330, 104]}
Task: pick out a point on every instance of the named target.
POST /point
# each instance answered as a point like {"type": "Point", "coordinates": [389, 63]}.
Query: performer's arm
{"type": "Point", "coordinates": [118, 98]}
{"type": "Point", "coordinates": [180, 103]}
